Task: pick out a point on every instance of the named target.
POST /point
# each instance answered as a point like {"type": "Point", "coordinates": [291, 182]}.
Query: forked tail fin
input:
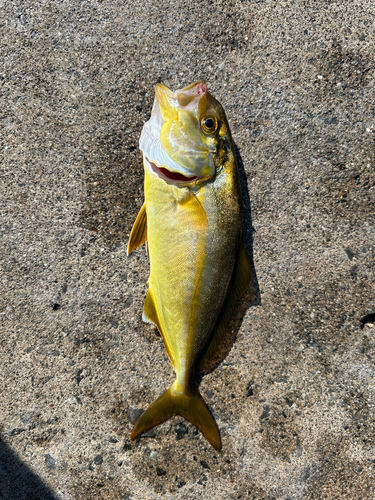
{"type": "Point", "coordinates": [190, 406]}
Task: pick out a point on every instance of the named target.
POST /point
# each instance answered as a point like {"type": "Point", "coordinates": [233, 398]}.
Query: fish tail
{"type": "Point", "coordinates": [190, 405]}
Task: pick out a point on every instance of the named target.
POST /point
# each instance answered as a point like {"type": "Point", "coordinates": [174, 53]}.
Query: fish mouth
{"type": "Point", "coordinates": [169, 165]}
{"type": "Point", "coordinates": [167, 175]}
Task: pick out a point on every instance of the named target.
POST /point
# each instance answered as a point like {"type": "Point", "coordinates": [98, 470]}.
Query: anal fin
{"type": "Point", "coordinates": [138, 233]}
{"type": "Point", "coordinates": [239, 283]}
{"type": "Point", "coordinates": [150, 315]}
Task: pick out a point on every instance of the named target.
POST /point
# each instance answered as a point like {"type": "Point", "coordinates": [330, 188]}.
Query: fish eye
{"type": "Point", "coordinates": [209, 124]}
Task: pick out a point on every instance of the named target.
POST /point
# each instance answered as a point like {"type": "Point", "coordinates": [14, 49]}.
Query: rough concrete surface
{"type": "Point", "coordinates": [294, 398]}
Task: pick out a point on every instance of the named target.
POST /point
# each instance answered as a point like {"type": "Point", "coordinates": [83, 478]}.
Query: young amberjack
{"type": "Point", "coordinates": [192, 222]}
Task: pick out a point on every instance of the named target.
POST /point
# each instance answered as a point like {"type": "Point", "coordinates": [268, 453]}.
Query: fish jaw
{"type": "Point", "coordinates": [172, 138]}
{"type": "Point", "coordinates": [156, 158]}
{"type": "Point", "coordinates": [150, 144]}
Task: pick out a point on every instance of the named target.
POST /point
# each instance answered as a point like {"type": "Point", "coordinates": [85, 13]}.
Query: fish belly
{"type": "Point", "coordinates": [193, 240]}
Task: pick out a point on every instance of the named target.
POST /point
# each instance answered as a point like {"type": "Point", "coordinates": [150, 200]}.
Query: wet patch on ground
{"type": "Point", "coordinates": [342, 71]}
{"type": "Point", "coordinates": [328, 478]}
{"type": "Point", "coordinates": [114, 187]}
{"type": "Point", "coordinates": [280, 431]}
{"type": "Point", "coordinates": [179, 456]}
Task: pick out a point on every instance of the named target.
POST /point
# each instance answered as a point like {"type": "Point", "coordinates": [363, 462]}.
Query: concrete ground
{"type": "Point", "coordinates": [294, 398]}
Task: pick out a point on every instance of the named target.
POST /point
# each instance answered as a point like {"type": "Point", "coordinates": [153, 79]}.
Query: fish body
{"type": "Point", "coordinates": [192, 222]}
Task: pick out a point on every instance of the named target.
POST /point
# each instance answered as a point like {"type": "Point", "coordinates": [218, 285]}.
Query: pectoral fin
{"type": "Point", "coordinates": [239, 283]}
{"type": "Point", "coordinates": [138, 233]}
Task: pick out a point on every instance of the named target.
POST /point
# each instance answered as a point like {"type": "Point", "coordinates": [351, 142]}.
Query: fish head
{"type": "Point", "coordinates": [183, 140]}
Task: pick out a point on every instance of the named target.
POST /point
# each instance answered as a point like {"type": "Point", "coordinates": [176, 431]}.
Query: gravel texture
{"type": "Point", "coordinates": [294, 398]}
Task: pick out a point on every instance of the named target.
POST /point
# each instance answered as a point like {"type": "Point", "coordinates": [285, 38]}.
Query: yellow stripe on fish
{"type": "Point", "coordinates": [192, 222]}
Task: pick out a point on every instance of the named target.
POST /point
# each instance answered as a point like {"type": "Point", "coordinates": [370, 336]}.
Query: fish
{"type": "Point", "coordinates": [192, 224]}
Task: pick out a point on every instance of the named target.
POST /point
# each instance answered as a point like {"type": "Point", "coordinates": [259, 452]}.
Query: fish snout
{"type": "Point", "coordinates": [167, 101]}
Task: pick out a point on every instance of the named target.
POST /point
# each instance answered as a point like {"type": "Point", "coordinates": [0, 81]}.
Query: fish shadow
{"type": "Point", "coordinates": [255, 299]}
{"type": "Point", "coordinates": [251, 297]}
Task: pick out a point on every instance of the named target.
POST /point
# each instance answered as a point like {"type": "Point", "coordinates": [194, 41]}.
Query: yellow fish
{"type": "Point", "coordinates": [192, 222]}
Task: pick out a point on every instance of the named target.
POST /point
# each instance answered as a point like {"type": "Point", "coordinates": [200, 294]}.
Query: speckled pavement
{"type": "Point", "coordinates": [294, 398]}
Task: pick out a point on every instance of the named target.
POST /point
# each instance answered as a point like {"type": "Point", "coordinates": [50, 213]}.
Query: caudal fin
{"type": "Point", "coordinates": [190, 406]}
